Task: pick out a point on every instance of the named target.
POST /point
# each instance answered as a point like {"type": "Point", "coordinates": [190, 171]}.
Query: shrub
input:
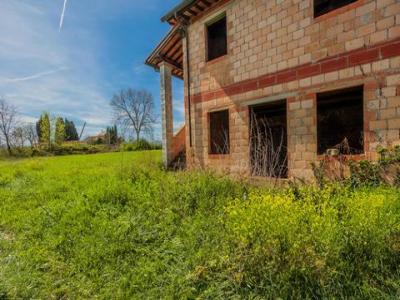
{"type": "Point", "coordinates": [22, 152]}
{"type": "Point", "coordinates": [316, 244]}
{"type": "Point", "coordinates": [365, 173]}
{"type": "Point", "coordinates": [40, 152]}
{"type": "Point", "coordinates": [68, 148]}
{"type": "Point", "coordinates": [385, 171]}
{"type": "Point", "coordinates": [78, 148]}
{"type": "Point", "coordinates": [140, 145]}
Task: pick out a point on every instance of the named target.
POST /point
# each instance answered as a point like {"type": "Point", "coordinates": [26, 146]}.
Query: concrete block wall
{"type": "Point", "coordinates": [277, 49]}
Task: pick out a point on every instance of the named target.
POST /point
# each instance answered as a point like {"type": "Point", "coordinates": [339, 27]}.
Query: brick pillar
{"type": "Point", "coordinates": [167, 114]}
{"type": "Point", "coordinates": [302, 136]}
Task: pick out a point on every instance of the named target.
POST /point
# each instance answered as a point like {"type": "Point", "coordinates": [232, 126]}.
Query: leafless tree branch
{"type": "Point", "coordinates": [8, 122]}
{"type": "Point", "coordinates": [134, 109]}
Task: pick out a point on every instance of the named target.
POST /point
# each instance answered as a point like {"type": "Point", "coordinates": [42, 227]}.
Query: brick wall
{"type": "Point", "coordinates": [277, 48]}
{"type": "Point", "coordinates": [179, 142]}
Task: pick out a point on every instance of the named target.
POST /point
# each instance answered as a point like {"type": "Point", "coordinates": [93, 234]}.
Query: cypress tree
{"type": "Point", "coordinates": [71, 134]}
{"type": "Point", "coordinates": [45, 129]}
{"type": "Point", "coordinates": [60, 131]}
{"type": "Point", "coordinates": [112, 135]}
{"type": "Point", "coordinates": [38, 131]}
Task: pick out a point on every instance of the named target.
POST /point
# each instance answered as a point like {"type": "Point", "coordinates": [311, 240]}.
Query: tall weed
{"type": "Point", "coordinates": [119, 226]}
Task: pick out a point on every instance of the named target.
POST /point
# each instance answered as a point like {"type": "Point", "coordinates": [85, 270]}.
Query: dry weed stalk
{"type": "Point", "coordinates": [268, 149]}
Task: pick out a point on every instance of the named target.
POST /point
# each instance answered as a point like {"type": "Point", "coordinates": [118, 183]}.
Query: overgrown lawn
{"type": "Point", "coordinates": [117, 226]}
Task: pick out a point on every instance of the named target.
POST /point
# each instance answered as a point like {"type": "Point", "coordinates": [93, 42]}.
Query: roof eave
{"type": "Point", "coordinates": [160, 45]}
{"type": "Point", "coordinates": [154, 58]}
{"type": "Point", "coordinates": [185, 4]}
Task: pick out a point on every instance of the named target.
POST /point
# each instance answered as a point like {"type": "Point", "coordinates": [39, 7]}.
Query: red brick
{"type": "Point", "coordinates": [220, 93]}
{"type": "Point", "coordinates": [309, 71]}
{"type": "Point", "coordinates": [267, 81]}
{"type": "Point", "coordinates": [364, 56]}
{"type": "Point", "coordinates": [334, 64]}
{"type": "Point", "coordinates": [371, 85]}
{"type": "Point", "coordinates": [233, 89]}
{"type": "Point", "coordinates": [390, 50]}
{"type": "Point", "coordinates": [286, 76]}
{"type": "Point", "coordinates": [196, 98]}
{"type": "Point", "coordinates": [249, 86]}
{"type": "Point", "coordinates": [208, 96]}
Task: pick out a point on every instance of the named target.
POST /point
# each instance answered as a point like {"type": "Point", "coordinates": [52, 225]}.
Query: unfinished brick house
{"type": "Point", "coordinates": [294, 78]}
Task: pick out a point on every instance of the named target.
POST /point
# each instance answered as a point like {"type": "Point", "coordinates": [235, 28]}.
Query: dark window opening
{"type": "Point", "coordinates": [219, 132]}
{"type": "Point", "coordinates": [268, 140]}
{"type": "Point", "coordinates": [322, 7]}
{"type": "Point", "coordinates": [340, 121]}
{"type": "Point", "coordinates": [217, 39]}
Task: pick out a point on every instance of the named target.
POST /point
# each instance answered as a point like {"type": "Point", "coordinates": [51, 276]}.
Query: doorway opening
{"type": "Point", "coordinates": [340, 121]}
{"type": "Point", "coordinates": [268, 140]}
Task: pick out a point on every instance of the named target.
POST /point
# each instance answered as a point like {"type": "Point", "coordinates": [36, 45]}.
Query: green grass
{"type": "Point", "coordinates": [117, 226]}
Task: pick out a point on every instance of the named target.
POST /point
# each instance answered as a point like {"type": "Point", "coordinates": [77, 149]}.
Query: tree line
{"type": "Point", "coordinates": [55, 130]}
{"type": "Point", "coordinates": [46, 132]}
{"type": "Point", "coordinates": [133, 113]}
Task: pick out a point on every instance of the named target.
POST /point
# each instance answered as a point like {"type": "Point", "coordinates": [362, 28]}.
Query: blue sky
{"type": "Point", "coordinates": [74, 72]}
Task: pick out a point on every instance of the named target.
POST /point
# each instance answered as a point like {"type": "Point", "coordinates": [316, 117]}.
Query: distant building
{"type": "Point", "coordinates": [100, 138]}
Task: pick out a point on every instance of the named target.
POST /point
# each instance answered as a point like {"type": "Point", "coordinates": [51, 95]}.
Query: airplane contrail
{"type": "Point", "coordinates": [63, 14]}
{"type": "Point", "coordinates": [33, 76]}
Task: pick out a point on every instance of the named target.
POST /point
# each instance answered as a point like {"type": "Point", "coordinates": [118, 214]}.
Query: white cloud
{"type": "Point", "coordinates": [179, 107]}
{"type": "Point", "coordinates": [28, 120]}
{"type": "Point", "coordinates": [70, 73]}
{"type": "Point", "coordinates": [45, 70]}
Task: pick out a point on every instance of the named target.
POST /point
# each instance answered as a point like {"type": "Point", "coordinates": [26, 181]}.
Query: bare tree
{"type": "Point", "coordinates": [134, 109]}
{"type": "Point", "coordinates": [30, 134]}
{"type": "Point", "coordinates": [8, 121]}
{"type": "Point", "coordinates": [18, 137]}
{"type": "Point", "coordinates": [25, 133]}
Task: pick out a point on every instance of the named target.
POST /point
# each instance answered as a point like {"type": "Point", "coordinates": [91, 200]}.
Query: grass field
{"type": "Point", "coordinates": [116, 226]}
